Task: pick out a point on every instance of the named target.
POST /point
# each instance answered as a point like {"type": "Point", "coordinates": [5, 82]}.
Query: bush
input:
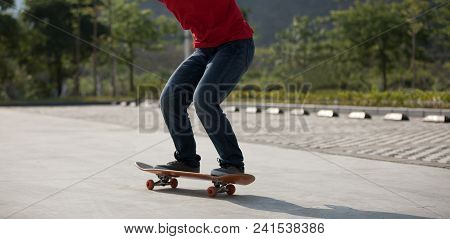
{"type": "Point", "coordinates": [414, 98]}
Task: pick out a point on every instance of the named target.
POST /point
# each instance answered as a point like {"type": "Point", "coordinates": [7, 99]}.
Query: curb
{"type": "Point", "coordinates": [345, 109]}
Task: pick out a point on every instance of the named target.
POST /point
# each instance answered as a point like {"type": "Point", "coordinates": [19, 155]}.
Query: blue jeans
{"type": "Point", "coordinates": [206, 78]}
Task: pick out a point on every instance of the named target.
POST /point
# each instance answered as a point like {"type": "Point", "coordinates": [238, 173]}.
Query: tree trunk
{"type": "Point", "coordinates": [59, 76]}
{"type": "Point", "coordinates": [113, 76]}
{"type": "Point", "coordinates": [131, 75]}
{"type": "Point", "coordinates": [112, 58]}
{"type": "Point", "coordinates": [383, 66]}
{"type": "Point", "coordinates": [131, 67]}
{"type": "Point", "coordinates": [96, 80]}
{"type": "Point", "coordinates": [76, 90]}
{"type": "Point", "coordinates": [413, 61]}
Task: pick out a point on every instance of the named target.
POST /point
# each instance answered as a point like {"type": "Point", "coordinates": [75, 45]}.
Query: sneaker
{"type": "Point", "coordinates": [227, 169]}
{"type": "Point", "coordinates": [179, 166]}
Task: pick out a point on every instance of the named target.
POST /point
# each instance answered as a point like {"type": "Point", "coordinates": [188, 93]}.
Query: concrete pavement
{"type": "Point", "coordinates": [411, 142]}
{"type": "Point", "coordinates": [67, 168]}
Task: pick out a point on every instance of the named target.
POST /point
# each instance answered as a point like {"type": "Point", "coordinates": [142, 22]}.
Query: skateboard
{"type": "Point", "coordinates": [222, 184]}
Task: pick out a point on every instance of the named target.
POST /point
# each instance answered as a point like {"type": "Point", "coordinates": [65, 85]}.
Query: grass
{"type": "Point", "coordinates": [67, 101]}
{"type": "Point", "coordinates": [411, 99]}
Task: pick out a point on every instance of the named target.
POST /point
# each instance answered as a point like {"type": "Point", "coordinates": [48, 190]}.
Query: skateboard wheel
{"type": "Point", "coordinates": [150, 184]}
{"type": "Point", "coordinates": [231, 189]}
{"type": "Point", "coordinates": [173, 183]}
{"type": "Point", "coordinates": [212, 192]}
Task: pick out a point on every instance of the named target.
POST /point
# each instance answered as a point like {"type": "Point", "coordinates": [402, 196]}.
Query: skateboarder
{"type": "Point", "coordinates": [224, 50]}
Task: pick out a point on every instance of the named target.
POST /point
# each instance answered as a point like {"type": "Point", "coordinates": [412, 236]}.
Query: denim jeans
{"type": "Point", "coordinates": [206, 78]}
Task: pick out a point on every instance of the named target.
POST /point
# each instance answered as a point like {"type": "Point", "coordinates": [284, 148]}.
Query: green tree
{"type": "Point", "coordinates": [412, 9]}
{"type": "Point", "coordinates": [369, 24]}
{"type": "Point", "coordinates": [403, 43]}
{"type": "Point", "coordinates": [10, 32]}
{"type": "Point", "coordinates": [303, 44]}
{"type": "Point", "coordinates": [5, 4]}
{"type": "Point", "coordinates": [82, 27]}
{"type": "Point", "coordinates": [59, 26]}
{"type": "Point", "coordinates": [55, 45]}
{"type": "Point", "coordinates": [112, 45]}
{"type": "Point", "coordinates": [93, 9]}
{"type": "Point", "coordinates": [134, 28]}
{"type": "Point", "coordinates": [438, 43]}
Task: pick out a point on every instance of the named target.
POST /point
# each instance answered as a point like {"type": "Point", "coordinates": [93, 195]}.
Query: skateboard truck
{"type": "Point", "coordinates": [163, 181]}
{"type": "Point", "coordinates": [220, 187]}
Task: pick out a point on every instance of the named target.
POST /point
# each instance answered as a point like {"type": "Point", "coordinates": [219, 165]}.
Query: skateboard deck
{"type": "Point", "coordinates": [222, 184]}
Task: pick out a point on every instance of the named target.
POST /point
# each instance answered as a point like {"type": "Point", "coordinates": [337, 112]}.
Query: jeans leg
{"type": "Point", "coordinates": [175, 99]}
{"type": "Point", "coordinates": [222, 74]}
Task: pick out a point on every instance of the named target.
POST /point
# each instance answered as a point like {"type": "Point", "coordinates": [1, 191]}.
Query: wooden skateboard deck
{"type": "Point", "coordinates": [222, 184]}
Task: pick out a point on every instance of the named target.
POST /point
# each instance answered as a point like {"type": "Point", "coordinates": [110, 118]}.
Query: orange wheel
{"type": "Point", "coordinates": [174, 183]}
{"type": "Point", "coordinates": [212, 192]}
{"type": "Point", "coordinates": [150, 184]}
{"type": "Point", "coordinates": [231, 189]}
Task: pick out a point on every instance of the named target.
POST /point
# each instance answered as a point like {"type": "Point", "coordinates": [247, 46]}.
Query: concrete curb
{"type": "Point", "coordinates": [436, 119]}
{"type": "Point", "coordinates": [252, 110]}
{"type": "Point", "coordinates": [274, 111]}
{"type": "Point", "coordinates": [359, 115]}
{"type": "Point", "coordinates": [345, 109]}
{"type": "Point", "coordinates": [299, 112]}
{"type": "Point", "coordinates": [327, 113]}
{"type": "Point", "coordinates": [396, 117]}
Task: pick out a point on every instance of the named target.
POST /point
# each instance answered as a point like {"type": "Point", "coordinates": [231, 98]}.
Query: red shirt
{"type": "Point", "coordinates": [212, 22]}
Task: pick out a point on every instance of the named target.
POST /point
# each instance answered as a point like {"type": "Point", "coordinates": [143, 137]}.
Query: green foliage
{"type": "Point", "coordinates": [373, 53]}
{"type": "Point", "coordinates": [136, 29]}
{"type": "Point", "coordinates": [47, 50]}
{"type": "Point", "coordinates": [369, 45]}
{"type": "Point", "coordinates": [368, 26]}
{"type": "Point", "coordinates": [50, 53]}
{"type": "Point", "coordinates": [5, 4]}
{"type": "Point", "coordinates": [415, 98]}
{"type": "Point", "coordinates": [9, 43]}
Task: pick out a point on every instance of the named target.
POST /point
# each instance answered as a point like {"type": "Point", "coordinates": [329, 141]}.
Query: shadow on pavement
{"type": "Point", "coordinates": [274, 205]}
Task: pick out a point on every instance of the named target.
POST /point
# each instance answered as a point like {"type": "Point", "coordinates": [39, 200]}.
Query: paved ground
{"type": "Point", "coordinates": [411, 142]}
{"type": "Point", "coordinates": [53, 167]}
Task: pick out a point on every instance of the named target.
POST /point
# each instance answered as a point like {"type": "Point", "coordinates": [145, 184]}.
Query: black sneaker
{"type": "Point", "coordinates": [179, 166]}
{"type": "Point", "coordinates": [227, 169]}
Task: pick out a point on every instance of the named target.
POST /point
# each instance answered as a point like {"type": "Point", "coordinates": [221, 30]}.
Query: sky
{"type": "Point", "coordinates": [19, 3]}
{"type": "Point", "coordinates": [18, 6]}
